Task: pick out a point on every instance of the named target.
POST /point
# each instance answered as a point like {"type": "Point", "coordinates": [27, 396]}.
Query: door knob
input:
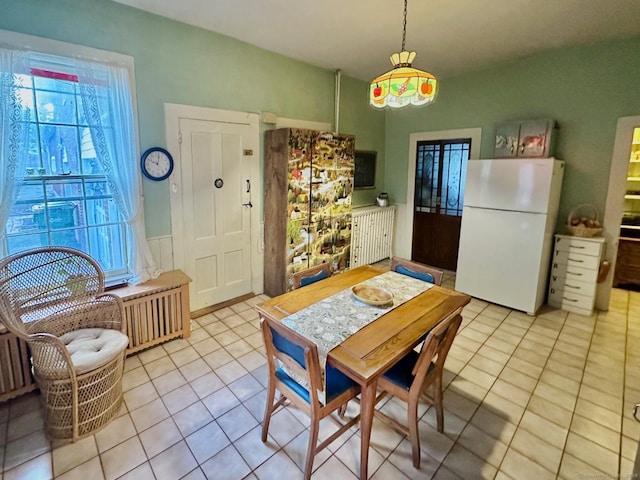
{"type": "Point", "coordinates": [218, 183]}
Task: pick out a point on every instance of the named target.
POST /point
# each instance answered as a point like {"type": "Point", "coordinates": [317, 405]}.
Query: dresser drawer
{"type": "Point", "coordinates": [579, 287]}
{"type": "Point", "coordinates": [572, 302]}
{"type": "Point", "coordinates": [578, 245]}
{"type": "Point", "coordinates": [573, 273]}
{"type": "Point", "coordinates": [574, 259]}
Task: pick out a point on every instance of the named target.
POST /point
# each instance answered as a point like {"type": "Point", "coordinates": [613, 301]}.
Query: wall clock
{"type": "Point", "coordinates": [156, 164]}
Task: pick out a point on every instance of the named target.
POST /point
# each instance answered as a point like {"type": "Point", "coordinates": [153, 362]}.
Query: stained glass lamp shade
{"type": "Point", "coordinates": [403, 85]}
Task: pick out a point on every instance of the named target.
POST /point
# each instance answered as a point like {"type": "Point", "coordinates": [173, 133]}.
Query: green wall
{"type": "Point", "coordinates": [177, 63]}
{"type": "Point", "coordinates": [585, 89]}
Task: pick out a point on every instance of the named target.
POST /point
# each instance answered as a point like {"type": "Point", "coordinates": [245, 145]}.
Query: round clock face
{"type": "Point", "coordinates": [156, 163]}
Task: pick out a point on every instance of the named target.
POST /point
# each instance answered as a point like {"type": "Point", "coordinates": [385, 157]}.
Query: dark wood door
{"type": "Point", "coordinates": [441, 168]}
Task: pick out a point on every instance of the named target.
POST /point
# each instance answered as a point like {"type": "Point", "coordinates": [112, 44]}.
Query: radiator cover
{"type": "Point", "coordinates": [371, 234]}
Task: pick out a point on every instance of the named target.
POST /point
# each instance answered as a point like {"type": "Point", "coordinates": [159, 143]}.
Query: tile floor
{"type": "Point", "coordinates": [527, 397]}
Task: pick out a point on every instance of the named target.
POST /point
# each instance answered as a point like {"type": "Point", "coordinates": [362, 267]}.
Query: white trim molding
{"type": "Point", "coordinates": [404, 225]}
{"type": "Point", "coordinates": [615, 201]}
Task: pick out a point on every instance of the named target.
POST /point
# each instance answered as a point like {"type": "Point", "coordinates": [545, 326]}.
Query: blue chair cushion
{"type": "Point", "coordinates": [308, 280]}
{"type": "Point", "coordinates": [425, 277]}
{"type": "Point", "coordinates": [337, 382]}
{"type": "Point", "coordinates": [400, 373]}
{"type": "Point", "coordinates": [293, 385]}
{"type": "Point", "coordinates": [294, 351]}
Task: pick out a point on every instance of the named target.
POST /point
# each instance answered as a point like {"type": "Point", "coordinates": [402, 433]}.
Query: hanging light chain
{"type": "Point", "coordinates": [404, 26]}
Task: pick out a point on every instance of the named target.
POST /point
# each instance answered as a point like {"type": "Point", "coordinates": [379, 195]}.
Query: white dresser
{"type": "Point", "coordinates": [574, 273]}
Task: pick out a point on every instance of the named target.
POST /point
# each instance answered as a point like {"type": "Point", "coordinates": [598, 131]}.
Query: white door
{"type": "Point", "coordinates": [216, 211]}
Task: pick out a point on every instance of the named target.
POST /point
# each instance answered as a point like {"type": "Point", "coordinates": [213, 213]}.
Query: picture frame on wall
{"type": "Point", "coordinates": [365, 169]}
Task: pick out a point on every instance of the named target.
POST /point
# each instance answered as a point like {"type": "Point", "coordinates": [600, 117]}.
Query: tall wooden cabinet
{"type": "Point", "coordinates": [308, 178]}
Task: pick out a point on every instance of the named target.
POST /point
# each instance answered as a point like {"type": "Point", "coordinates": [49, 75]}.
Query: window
{"type": "Point", "coordinates": [68, 158]}
{"type": "Point", "coordinates": [441, 168]}
{"type": "Point", "coordinates": [64, 198]}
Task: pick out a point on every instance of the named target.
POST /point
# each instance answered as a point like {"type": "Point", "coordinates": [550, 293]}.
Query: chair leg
{"type": "Point", "coordinates": [437, 402]}
{"type": "Point", "coordinates": [268, 410]}
{"type": "Point", "coordinates": [342, 410]}
{"type": "Point", "coordinates": [414, 436]}
{"type": "Point", "coordinates": [311, 449]}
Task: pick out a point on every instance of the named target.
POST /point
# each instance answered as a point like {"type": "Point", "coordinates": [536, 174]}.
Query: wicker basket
{"type": "Point", "coordinates": [590, 212]}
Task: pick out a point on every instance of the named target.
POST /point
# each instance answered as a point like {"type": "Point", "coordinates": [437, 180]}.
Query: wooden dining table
{"type": "Point", "coordinates": [372, 350]}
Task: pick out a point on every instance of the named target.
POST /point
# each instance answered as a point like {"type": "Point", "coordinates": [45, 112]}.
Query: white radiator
{"type": "Point", "coordinates": [371, 234]}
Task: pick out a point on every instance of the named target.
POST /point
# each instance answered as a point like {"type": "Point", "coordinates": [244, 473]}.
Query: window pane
{"type": "Point", "coordinates": [21, 217]}
{"type": "Point", "coordinates": [426, 192]}
{"type": "Point", "coordinates": [68, 189]}
{"type": "Point", "coordinates": [101, 209]}
{"type": "Point", "coordinates": [73, 238]}
{"type": "Point", "coordinates": [90, 163]}
{"type": "Point", "coordinates": [20, 243]}
{"type": "Point", "coordinates": [53, 84]}
{"type": "Point", "coordinates": [33, 162]}
{"type": "Point", "coordinates": [102, 95]}
{"type": "Point", "coordinates": [55, 107]}
{"type": "Point", "coordinates": [108, 247]}
{"type": "Point", "coordinates": [25, 99]}
{"type": "Point", "coordinates": [60, 152]}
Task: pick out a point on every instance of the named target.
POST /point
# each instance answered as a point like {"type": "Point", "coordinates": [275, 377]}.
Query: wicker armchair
{"type": "Point", "coordinates": [53, 298]}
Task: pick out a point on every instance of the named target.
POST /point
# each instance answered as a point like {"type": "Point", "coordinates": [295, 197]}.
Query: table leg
{"type": "Point", "coordinates": [367, 404]}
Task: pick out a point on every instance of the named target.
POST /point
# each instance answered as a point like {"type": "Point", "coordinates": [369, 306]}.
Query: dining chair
{"type": "Point", "coordinates": [413, 374]}
{"type": "Point", "coordinates": [311, 275]}
{"type": "Point", "coordinates": [294, 370]}
{"type": "Point", "coordinates": [417, 270]}
{"type": "Point", "coordinates": [53, 298]}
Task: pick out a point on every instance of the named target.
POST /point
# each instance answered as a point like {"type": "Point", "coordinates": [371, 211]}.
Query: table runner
{"type": "Point", "coordinates": [329, 322]}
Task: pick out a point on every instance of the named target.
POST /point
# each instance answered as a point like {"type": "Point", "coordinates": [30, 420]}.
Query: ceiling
{"type": "Point", "coordinates": [449, 36]}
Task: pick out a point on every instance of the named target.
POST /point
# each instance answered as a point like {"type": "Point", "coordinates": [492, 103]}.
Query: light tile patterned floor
{"type": "Point", "coordinates": [527, 397]}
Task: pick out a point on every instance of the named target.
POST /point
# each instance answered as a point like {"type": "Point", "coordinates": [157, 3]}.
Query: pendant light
{"type": "Point", "coordinates": [403, 85]}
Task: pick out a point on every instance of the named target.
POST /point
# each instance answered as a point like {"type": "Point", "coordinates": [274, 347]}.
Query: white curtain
{"type": "Point", "coordinates": [107, 102]}
{"type": "Point", "coordinates": [13, 132]}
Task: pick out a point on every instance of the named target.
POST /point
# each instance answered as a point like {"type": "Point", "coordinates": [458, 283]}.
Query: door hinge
{"type": "Point", "coordinates": [179, 138]}
{"type": "Point", "coordinates": [247, 152]}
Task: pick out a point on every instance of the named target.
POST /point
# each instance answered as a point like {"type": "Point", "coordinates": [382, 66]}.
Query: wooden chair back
{"type": "Point", "coordinates": [417, 270]}
{"type": "Point", "coordinates": [434, 351]}
{"type": "Point", "coordinates": [311, 275]}
{"type": "Point", "coordinates": [299, 357]}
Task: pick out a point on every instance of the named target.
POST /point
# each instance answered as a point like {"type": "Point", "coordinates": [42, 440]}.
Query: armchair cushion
{"type": "Point", "coordinates": [91, 348]}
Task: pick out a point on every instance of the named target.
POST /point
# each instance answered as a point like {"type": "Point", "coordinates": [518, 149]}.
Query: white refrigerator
{"type": "Point", "coordinates": [506, 237]}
